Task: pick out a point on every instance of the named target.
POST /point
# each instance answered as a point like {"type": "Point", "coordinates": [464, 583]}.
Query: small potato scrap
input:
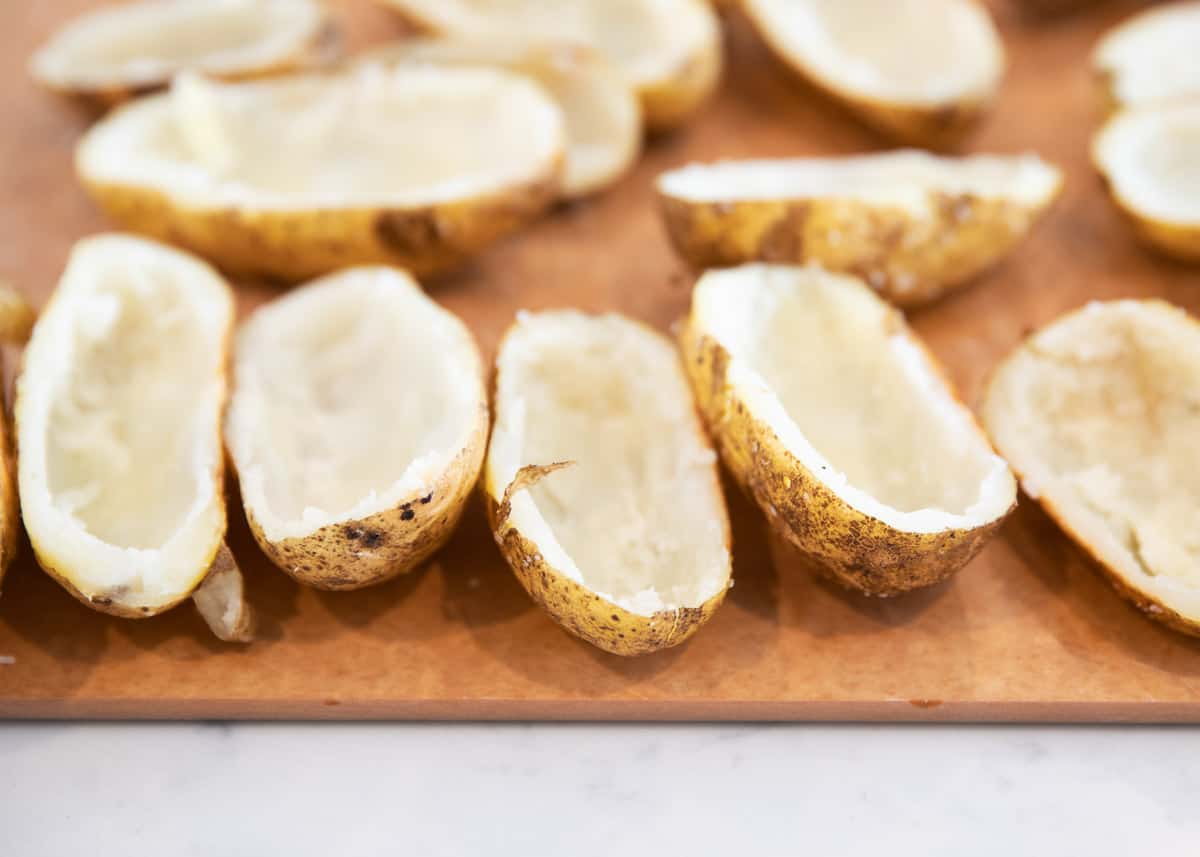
{"type": "Point", "coordinates": [118, 416]}
{"type": "Point", "coordinates": [357, 425]}
{"type": "Point", "coordinates": [1150, 157]}
{"type": "Point", "coordinates": [832, 415]}
{"type": "Point", "coordinates": [1099, 413]}
{"type": "Point", "coordinates": [913, 225]}
{"type": "Point", "coordinates": [1151, 57]}
{"type": "Point", "coordinates": [114, 52]}
{"type": "Point", "coordinates": [602, 487]}
{"type": "Point", "coordinates": [602, 115]}
{"type": "Point", "coordinates": [924, 76]}
{"type": "Point", "coordinates": [669, 51]}
{"type": "Point", "coordinates": [300, 176]}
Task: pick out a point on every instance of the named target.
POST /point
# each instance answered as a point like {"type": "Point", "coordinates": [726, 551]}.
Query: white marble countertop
{"type": "Point", "coordinates": [220, 790]}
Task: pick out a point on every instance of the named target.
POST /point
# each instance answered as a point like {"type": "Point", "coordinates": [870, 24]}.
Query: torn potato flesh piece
{"type": "Point", "coordinates": [357, 425]}
{"type": "Point", "coordinates": [299, 176]}
{"type": "Point", "coordinates": [922, 77]}
{"type": "Point", "coordinates": [669, 51]}
{"type": "Point", "coordinates": [913, 225]}
{"type": "Point", "coordinates": [221, 600]}
{"type": "Point", "coordinates": [602, 116]}
{"type": "Point", "coordinates": [118, 421]}
{"type": "Point", "coordinates": [839, 423]}
{"type": "Point", "coordinates": [602, 486]}
{"type": "Point", "coordinates": [117, 51]}
{"type": "Point", "coordinates": [1151, 56]}
{"type": "Point", "coordinates": [1150, 157]}
{"type": "Point", "coordinates": [1099, 413]}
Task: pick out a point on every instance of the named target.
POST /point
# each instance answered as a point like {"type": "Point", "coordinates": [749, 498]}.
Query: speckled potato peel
{"type": "Point", "coordinates": [1097, 412]}
{"type": "Point", "coordinates": [924, 78]}
{"type": "Point", "coordinates": [121, 474]}
{"type": "Point", "coordinates": [223, 187]}
{"type": "Point", "coordinates": [111, 54]}
{"type": "Point", "coordinates": [602, 115]}
{"type": "Point", "coordinates": [1150, 159]}
{"type": "Point", "coordinates": [668, 50]}
{"type": "Point", "coordinates": [912, 225]}
{"type": "Point", "coordinates": [829, 486]}
{"type": "Point", "coordinates": [358, 426]}
{"type": "Point", "coordinates": [631, 564]}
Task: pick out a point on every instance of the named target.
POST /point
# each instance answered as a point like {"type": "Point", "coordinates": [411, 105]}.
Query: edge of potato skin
{"type": "Point", "coordinates": [937, 126]}
{"type": "Point", "coordinates": [563, 598]}
{"type": "Point", "coordinates": [300, 244]}
{"type": "Point", "coordinates": [848, 546]}
{"type": "Point", "coordinates": [669, 102]}
{"type": "Point", "coordinates": [1146, 604]}
{"type": "Point", "coordinates": [966, 235]}
{"type": "Point", "coordinates": [399, 539]}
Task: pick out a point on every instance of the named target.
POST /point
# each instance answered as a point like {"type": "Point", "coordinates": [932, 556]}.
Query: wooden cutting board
{"type": "Point", "coordinates": [1028, 631]}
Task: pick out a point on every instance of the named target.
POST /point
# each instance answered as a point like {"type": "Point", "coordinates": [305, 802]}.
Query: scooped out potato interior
{"type": "Point", "coordinates": [143, 44]}
{"type": "Point", "coordinates": [375, 136]}
{"type": "Point", "coordinates": [1151, 157]}
{"type": "Point", "coordinates": [834, 372]}
{"type": "Point", "coordinates": [118, 417]}
{"type": "Point", "coordinates": [638, 517]}
{"type": "Point", "coordinates": [353, 393]}
{"type": "Point", "coordinates": [1150, 57]}
{"type": "Point", "coordinates": [928, 51]}
{"type": "Point", "coordinates": [1100, 414]}
{"type": "Point", "coordinates": [903, 178]}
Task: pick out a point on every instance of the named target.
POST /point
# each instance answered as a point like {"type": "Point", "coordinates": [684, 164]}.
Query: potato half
{"type": "Point", "coordinates": [922, 76]}
{"type": "Point", "coordinates": [913, 225]}
{"type": "Point", "coordinates": [839, 423]}
{"type": "Point", "coordinates": [668, 50]}
{"type": "Point", "coordinates": [117, 51]}
{"type": "Point", "coordinates": [1150, 157]}
{"type": "Point", "coordinates": [602, 487]}
{"type": "Point", "coordinates": [296, 177]}
{"type": "Point", "coordinates": [601, 112]}
{"type": "Point", "coordinates": [1151, 56]}
{"type": "Point", "coordinates": [357, 426]}
{"type": "Point", "coordinates": [1099, 413]}
{"type": "Point", "coordinates": [118, 413]}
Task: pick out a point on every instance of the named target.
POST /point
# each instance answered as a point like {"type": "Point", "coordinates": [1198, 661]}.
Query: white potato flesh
{"type": "Point", "coordinates": [903, 178]}
{"type": "Point", "coordinates": [371, 137]}
{"type": "Point", "coordinates": [831, 369]}
{"type": "Point", "coordinates": [1100, 414]}
{"type": "Point", "coordinates": [118, 411]}
{"type": "Point", "coordinates": [649, 40]}
{"type": "Point", "coordinates": [915, 52]}
{"type": "Point", "coordinates": [1151, 157]}
{"type": "Point", "coordinates": [351, 394]}
{"type": "Point", "coordinates": [1152, 56]}
{"type": "Point", "coordinates": [639, 517]}
{"type": "Point", "coordinates": [603, 120]}
{"type": "Point", "coordinates": [145, 44]}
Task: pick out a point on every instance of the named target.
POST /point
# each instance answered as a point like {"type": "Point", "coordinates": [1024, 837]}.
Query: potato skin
{"type": "Point", "coordinates": [581, 611]}
{"type": "Point", "coordinates": [1181, 243]}
{"type": "Point", "coordinates": [353, 554]}
{"type": "Point", "coordinates": [909, 260]}
{"type": "Point", "coordinates": [669, 103]}
{"type": "Point", "coordinates": [852, 548]}
{"type": "Point", "coordinates": [304, 244]}
{"type": "Point", "coordinates": [10, 506]}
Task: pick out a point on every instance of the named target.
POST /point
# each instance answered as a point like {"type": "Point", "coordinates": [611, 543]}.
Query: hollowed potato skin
{"type": "Point", "coordinates": [850, 547]}
{"type": "Point", "coordinates": [303, 244]}
{"type": "Point", "coordinates": [582, 612]}
{"type": "Point", "coordinates": [908, 260]}
{"type": "Point", "coordinates": [353, 554]}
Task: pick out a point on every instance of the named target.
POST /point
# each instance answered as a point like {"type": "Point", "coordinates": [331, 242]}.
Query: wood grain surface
{"type": "Point", "coordinates": [1027, 631]}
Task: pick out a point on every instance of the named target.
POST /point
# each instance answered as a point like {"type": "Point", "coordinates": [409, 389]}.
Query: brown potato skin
{"type": "Point", "coordinates": [850, 547]}
{"type": "Point", "coordinates": [582, 612]}
{"type": "Point", "coordinates": [352, 554]}
{"type": "Point", "coordinates": [10, 505]}
{"type": "Point", "coordinates": [1181, 243]}
{"type": "Point", "coordinates": [908, 260]}
{"type": "Point", "coordinates": [304, 244]}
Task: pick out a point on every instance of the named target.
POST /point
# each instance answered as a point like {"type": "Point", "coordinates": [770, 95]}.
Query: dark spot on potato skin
{"type": "Point", "coordinates": [407, 515]}
{"type": "Point", "coordinates": [426, 499]}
